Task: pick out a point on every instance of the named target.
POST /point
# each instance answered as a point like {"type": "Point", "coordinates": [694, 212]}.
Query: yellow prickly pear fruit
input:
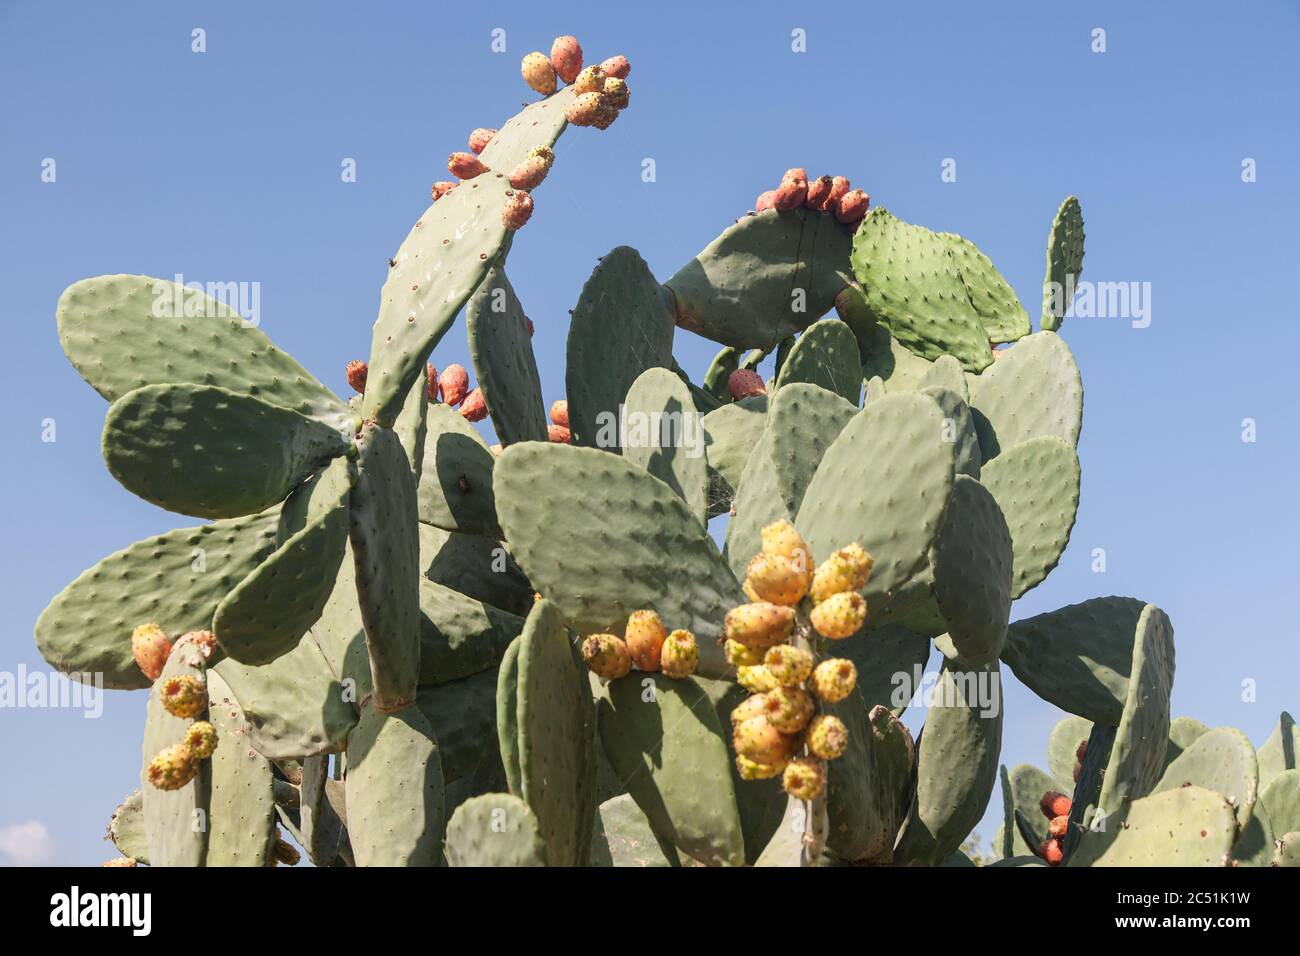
{"type": "Point", "coordinates": [840, 615]}
{"type": "Point", "coordinates": [121, 861]}
{"type": "Point", "coordinates": [756, 679]}
{"type": "Point", "coordinates": [759, 625]}
{"type": "Point", "coordinates": [201, 738]}
{"type": "Point", "coordinates": [775, 578]}
{"type": "Point", "coordinates": [781, 538]}
{"type": "Point", "coordinates": [606, 656]}
{"type": "Point", "coordinates": [173, 768]}
{"type": "Point", "coordinates": [827, 736]}
{"type": "Point", "coordinates": [644, 637]}
{"type": "Point", "coordinates": [848, 569]}
{"type": "Point", "coordinates": [590, 80]}
{"type": "Point", "coordinates": [788, 709]}
{"type": "Point", "coordinates": [538, 73]}
{"type": "Point", "coordinates": [747, 708]}
{"type": "Point", "coordinates": [738, 655]}
{"type": "Point", "coordinates": [790, 665]}
{"type": "Point", "coordinates": [617, 92]}
{"type": "Point", "coordinates": [750, 592]}
{"type": "Point", "coordinates": [184, 696]}
{"type": "Point", "coordinates": [753, 770]}
{"type": "Point", "coordinates": [680, 655]}
{"type": "Point", "coordinates": [834, 679]}
{"type": "Point", "coordinates": [150, 648]}
{"type": "Point", "coordinates": [757, 739]}
{"type": "Point", "coordinates": [804, 778]}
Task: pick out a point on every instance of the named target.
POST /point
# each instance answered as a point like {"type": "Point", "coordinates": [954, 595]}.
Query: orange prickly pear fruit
{"type": "Point", "coordinates": [755, 678]}
{"type": "Point", "coordinates": [560, 412]}
{"type": "Point", "coordinates": [184, 696]}
{"type": "Point", "coordinates": [1054, 805]}
{"type": "Point", "coordinates": [738, 655]}
{"type": "Point", "coordinates": [1050, 850]}
{"type": "Point", "coordinates": [150, 648]}
{"type": "Point", "coordinates": [465, 165]}
{"type": "Point", "coordinates": [761, 624]}
{"type": "Point", "coordinates": [848, 569]}
{"type": "Point", "coordinates": [474, 408]}
{"type": "Point", "coordinates": [757, 739]}
{"type": "Point", "coordinates": [753, 770]}
{"type": "Point", "coordinates": [616, 66]}
{"type": "Point", "coordinates": [1058, 827]}
{"type": "Point", "coordinates": [775, 578]}
{"type": "Point", "coordinates": [201, 738]}
{"type": "Point", "coordinates": [454, 384]}
{"type": "Point", "coordinates": [788, 709]}
{"type": "Point", "coordinates": [606, 656]}
{"type": "Point", "coordinates": [781, 538]}
{"type": "Point", "coordinates": [356, 372]}
{"type": "Point", "coordinates": [566, 57]}
{"type": "Point", "coordinates": [538, 73]}
{"type": "Point", "coordinates": [173, 768]}
{"type": "Point", "coordinates": [644, 636]}
{"type": "Point", "coordinates": [479, 139]}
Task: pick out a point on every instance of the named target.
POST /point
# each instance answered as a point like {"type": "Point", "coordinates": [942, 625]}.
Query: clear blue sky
{"type": "Point", "coordinates": [225, 166]}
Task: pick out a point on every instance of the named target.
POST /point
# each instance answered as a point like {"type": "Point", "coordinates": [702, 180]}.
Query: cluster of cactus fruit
{"type": "Point", "coordinates": [384, 624]}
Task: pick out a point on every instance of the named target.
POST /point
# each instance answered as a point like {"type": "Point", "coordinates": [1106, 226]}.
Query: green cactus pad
{"type": "Point", "coordinates": [320, 817]}
{"type": "Point", "coordinates": [958, 428]}
{"type": "Point", "coordinates": [555, 712]}
{"type": "Point", "coordinates": [1138, 754]}
{"type": "Point", "coordinates": [386, 552]}
{"type": "Point", "coordinates": [730, 434]}
{"type": "Point", "coordinates": [209, 452]}
{"type": "Point", "coordinates": [1018, 861]}
{"type": "Point", "coordinates": [1190, 826]}
{"type": "Point", "coordinates": [760, 804]}
{"type": "Point", "coordinates": [1028, 786]}
{"type": "Point", "coordinates": [1064, 259]}
{"type": "Point", "coordinates": [971, 564]}
{"type": "Point", "coordinates": [462, 714]}
{"type": "Point", "coordinates": [1288, 850]}
{"type": "Point", "coordinates": [445, 257]}
{"type": "Point", "coordinates": [1078, 657]}
{"type": "Point", "coordinates": [624, 837]}
{"type": "Point", "coordinates": [914, 285]}
{"type": "Point", "coordinates": [455, 491]}
{"type": "Point", "coordinates": [243, 828]}
{"type": "Point", "coordinates": [994, 301]}
{"type": "Point", "coordinates": [1009, 840]}
{"type": "Point", "coordinates": [671, 752]}
{"type": "Point", "coordinates": [1062, 746]}
{"type": "Point", "coordinates": [123, 332]}
{"type": "Point", "coordinates": [495, 829]}
{"type": "Point", "coordinates": [270, 610]}
{"type": "Point", "coordinates": [765, 278]}
{"type": "Point", "coordinates": [804, 422]}
{"type": "Point", "coordinates": [788, 846]}
{"type": "Point", "coordinates": [1280, 800]}
{"type": "Point", "coordinates": [478, 567]}
{"type": "Point", "coordinates": [601, 538]}
{"type": "Point", "coordinates": [175, 580]}
{"type": "Point", "coordinates": [887, 658]}
{"type": "Point", "coordinates": [1036, 484]}
{"type": "Point", "coordinates": [826, 355]}
{"type": "Point", "coordinates": [169, 815]}
{"type": "Point", "coordinates": [460, 636]}
{"type": "Point", "coordinates": [946, 372]}
{"type": "Point", "coordinates": [127, 828]}
{"type": "Point", "coordinates": [893, 764]}
{"type": "Point", "coordinates": [621, 326]}
{"type": "Point", "coordinates": [1280, 751]}
{"type": "Point", "coordinates": [502, 350]}
{"type": "Point", "coordinates": [1221, 760]}
{"type": "Point", "coordinates": [717, 375]}
{"type": "Point", "coordinates": [295, 706]}
{"type": "Point", "coordinates": [1032, 389]}
{"type": "Point", "coordinates": [1183, 732]}
{"type": "Point", "coordinates": [857, 825]}
{"type": "Point", "coordinates": [758, 503]}
{"type": "Point", "coordinates": [670, 446]}
{"type": "Point", "coordinates": [412, 425]}
{"type": "Point", "coordinates": [956, 764]}
{"type": "Point", "coordinates": [884, 482]}
{"type": "Point", "coordinates": [851, 306]}
{"type": "Point", "coordinates": [898, 368]}
{"type": "Point", "coordinates": [1087, 790]}
{"type": "Point", "coordinates": [507, 704]}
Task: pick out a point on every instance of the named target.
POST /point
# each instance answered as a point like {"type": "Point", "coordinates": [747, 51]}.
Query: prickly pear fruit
{"type": "Point", "coordinates": [454, 383]}
{"type": "Point", "coordinates": [781, 538]}
{"type": "Point", "coordinates": [587, 109]}
{"type": "Point", "coordinates": [545, 154]}
{"type": "Point", "coordinates": [853, 205]}
{"type": "Point", "coordinates": [121, 861]}
{"type": "Point", "coordinates": [538, 73]}
{"type": "Point", "coordinates": [560, 412]}
{"type": "Point", "coordinates": [753, 770]}
{"type": "Point", "coordinates": [430, 382]}
{"type": "Point", "coordinates": [759, 625]}
{"type": "Point", "coordinates": [356, 372]}
{"type": "Point", "coordinates": [616, 66]}
{"type": "Point", "coordinates": [205, 642]}
{"type": "Point", "coordinates": [827, 736]}
{"type": "Point", "coordinates": [529, 173]}
{"type": "Point", "coordinates": [616, 92]}
{"type": "Point", "coordinates": [680, 655]}
{"type": "Point", "coordinates": [173, 768]}
{"type": "Point", "coordinates": [1054, 805]}
{"type": "Point", "coordinates": [750, 592]}
{"type": "Point", "coordinates": [788, 709]}
{"type": "Point", "coordinates": [590, 80]}
{"type": "Point", "coordinates": [790, 665]}
{"type": "Point", "coordinates": [150, 648]}
{"type": "Point", "coordinates": [834, 679]}
{"type": "Point", "coordinates": [284, 854]}
{"type": "Point", "coordinates": [748, 708]}
{"type": "Point", "coordinates": [517, 211]}
{"type": "Point", "coordinates": [755, 678]}
{"type": "Point", "coordinates": [558, 434]}
{"type": "Point", "coordinates": [474, 408]}
{"type": "Point", "coordinates": [744, 382]}
{"type": "Point", "coordinates": [184, 696]}
{"type": "Point", "coordinates": [793, 190]}
{"type": "Point", "coordinates": [1050, 850]}
{"type": "Point", "coordinates": [738, 655]}
{"type": "Point", "coordinates": [606, 656]}
{"type": "Point", "coordinates": [201, 738]}
{"type": "Point", "coordinates": [757, 739]}
{"type": "Point", "coordinates": [848, 569]}
{"type": "Point", "coordinates": [566, 57]}
{"type": "Point", "coordinates": [479, 139]}
{"type": "Point", "coordinates": [776, 579]}
{"type": "Point", "coordinates": [839, 186]}
{"type": "Point", "coordinates": [1079, 754]}
{"type": "Point", "coordinates": [804, 778]}
{"type": "Point", "coordinates": [644, 636]}
{"type": "Point", "coordinates": [819, 191]}
{"type": "Point", "coordinates": [765, 201]}
{"type": "Point", "coordinates": [441, 188]}
{"type": "Point", "coordinates": [1058, 827]}
{"type": "Point", "coordinates": [465, 165]}
{"type": "Point", "coordinates": [840, 615]}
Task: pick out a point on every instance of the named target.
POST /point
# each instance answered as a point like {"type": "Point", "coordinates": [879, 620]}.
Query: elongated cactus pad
{"type": "Point", "coordinates": [1281, 750]}
{"type": "Point", "coordinates": [242, 802]}
{"type": "Point", "coordinates": [666, 437]}
{"type": "Point", "coordinates": [730, 433]}
{"type": "Point", "coordinates": [992, 298]}
{"type": "Point", "coordinates": [1063, 747]}
{"type": "Point", "coordinates": [127, 828]}
{"type": "Point", "coordinates": [502, 349]}
{"type": "Point", "coordinates": [1064, 262]}
{"type": "Point", "coordinates": [460, 636]}
{"type": "Point", "coordinates": [958, 428]}
{"type": "Point", "coordinates": [321, 811]}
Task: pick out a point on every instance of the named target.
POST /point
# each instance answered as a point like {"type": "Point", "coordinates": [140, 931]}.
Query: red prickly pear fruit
{"type": "Point", "coordinates": [566, 57]}
{"type": "Point", "coordinates": [529, 173]}
{"type": "Point", "coordinates": [790, 194]}
{"type": "Point", "coordinates": [538, 73]}
{"type": "Point", "coordinates": [121, 861]}
{"type": "Point", "coordinates": [1050, 850]}
{"type": "Point", "coordinates": [680, 655]}
{"type": "Point", "coordinates": [745, 382]}
{"type": "Point", "coordinates": [479, 139]}
{"type": "Point", "coordinates": [1081, 751]}
{"type": "Point", "coordinates": [184, 696]}
{"type": "Point", "coordinates": [1058, 827]}
{"type": "Point", "coordinates": [474, 408]}
{"type": "Point", "coordinates": [616, 92]}
{"type": "Point", "coordinates": [765, 201]}
{"type": "Point", "coordinates": [518, 210]}
{"type": "Point", "coordinates": [172, 768]}
{"type": "Point", "coordinates": [839, 186]}
{"type": "Point", "coordinates": [587, 109]}
{"type": "Point", "coordinates": [560, 412]}
{"type": "Point", "coordinates": [1054, 805]}
{"type": "Point", "coordinates": [150, 647]}
{"type": "Point", "coordinates": [454, 384]}
{"type": "Point", "coordinates": [644, 636]}
{"type": "Point", "coordinates": [205, 642]}
{"type": "Point", "coordinates": [616, 66]}
{"type": "Point", "coordinates": [557, 434]}
{"type": "Point", "coordinates": [430, 382]}
{"type": "Point", "coordinates": [853, 205]}
{"type": "Point", "coordinates": [606, 656]}
{"type": "Point", "coordinates": [441, 188]}
{"type": "Point", "coordinates": [531, 327]}
{"type": "Point", "coordinates": [201, 738]}
{"type": "Point", "coordinates": [356, 371]}
{"type": "Point", "coordinates": [590, 80]}
{"type": "Point", "coordinates": [465, 165]}
{"type": "Point", "coordinates": [819, 190]}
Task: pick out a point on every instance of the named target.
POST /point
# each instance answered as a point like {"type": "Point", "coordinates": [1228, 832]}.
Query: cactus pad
{"type": "Point", "coordinates": [826, 355]}
{"type": "Point", "coordinates": [730, 434]}
{"type": "Point", "coordinates": [455, 490]}
{"type": "Point", "coordinates": [1280, 752]}
{"type": "Point", "coordinates": [502, 350]}
{"type": "Point", "coordinates": [1033, 389]}
{"type": "Point", "coordinates": [494, 829]}
{"type": "Point", "coordinates": [242, 822]}
{"type": "Point", "coordinates": [459, 635]}
{"type": "Point", "coordinates": [624, 837]}
{"type": "Point", "coordinates": [662, 401]}
{"type": "Point", "coordinates": [1221, 760]}
{"type": "Point", "coordinates": [1064, 261]}
{"type": "Point", "coordinates": [1190, 826]}
{"type": "Point", "coordinates": [994, 301]}
{"type": "Point", "coordinates": [1062, 749]}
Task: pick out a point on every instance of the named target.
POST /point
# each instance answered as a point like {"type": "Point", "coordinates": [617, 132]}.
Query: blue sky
{"type": "Point", "coordinates": [225, 166]}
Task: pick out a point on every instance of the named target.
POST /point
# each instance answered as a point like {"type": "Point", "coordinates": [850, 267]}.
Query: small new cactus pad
{"type": "Point", "coordinates": [494, 829]}
{"type": "Point", "coordinates": [1064, 262]}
